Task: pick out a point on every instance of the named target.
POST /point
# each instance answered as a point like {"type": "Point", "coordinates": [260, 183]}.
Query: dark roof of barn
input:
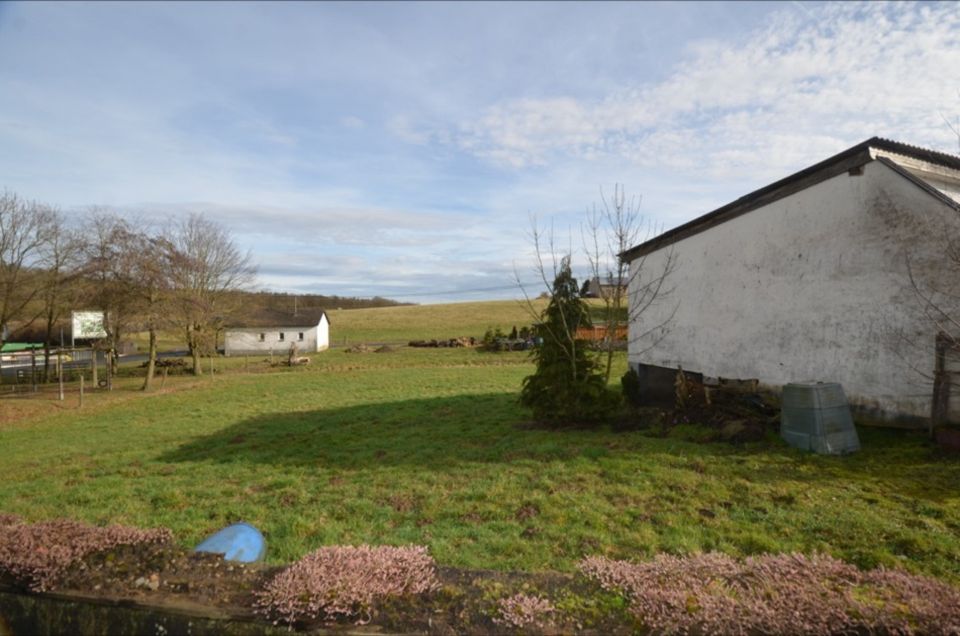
{"type": "Point", "coordinates": [266, 318]}
{"type": "Point", "coordinates": [848, 159]}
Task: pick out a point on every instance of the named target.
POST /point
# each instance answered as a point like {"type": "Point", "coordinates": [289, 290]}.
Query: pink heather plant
{"type": "Point", "coordinates": [38, 554]}
{"type": "Point", "coordinates": [343, 582]}
{"type": "Point", "coordinates": [521, 610]}
{"type": "Point", "coordinates": [776, 594]}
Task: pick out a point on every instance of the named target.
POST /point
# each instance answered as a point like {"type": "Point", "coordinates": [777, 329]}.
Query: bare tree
{"type": "Point", "coordinates": [632, 290]}
{"type": "Point", "coordinates": [549, 263]}
{"type": "Point", "coordinates": [150, 260]}
{"type": "Point", "coordinates": [24, 230]}
{"type": "Point", "coordinates": [627, 289]}
{"type": "Point", "coordinates": [209, 267]}
{"type": "Point", "coordinates": [953, 126]}
{"type": "Point", "coordinates": [108, 262]}
{"type": "Point", "coordinates": [62, 272]}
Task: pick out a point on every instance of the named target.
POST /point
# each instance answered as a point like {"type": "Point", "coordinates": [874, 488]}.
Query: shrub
{"type": "Point", "coordinates": [342, 582]}
{"type": "Point", "coordinates": [522, 610]}
{"type": "Point", "coordinates": [493, 340]}
{"type": "Point", "coordinates": [38, 554]}
{"type": "Point", "coordinates": [776, 594]}
{"type": "Point", "coordinates": [567, 388]}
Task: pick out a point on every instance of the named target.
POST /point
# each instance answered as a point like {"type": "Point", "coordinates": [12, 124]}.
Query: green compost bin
{"type": "Point", "coordinates": [816, 417]}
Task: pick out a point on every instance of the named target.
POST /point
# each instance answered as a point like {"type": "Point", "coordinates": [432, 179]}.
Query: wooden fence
{"type": "Point", "coordinates": [599, 333]}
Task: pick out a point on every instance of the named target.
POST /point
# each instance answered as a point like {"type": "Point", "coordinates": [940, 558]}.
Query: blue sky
{"type": "Point", "coordinates": [400, 149]}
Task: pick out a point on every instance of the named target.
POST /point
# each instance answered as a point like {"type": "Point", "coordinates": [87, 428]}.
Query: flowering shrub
{"type": "Point", "coordinates": [521, 610]}
{"type": "Point", "coordinates": [38, 554]}
{"type": "Point", "coordinates": [343, 582]}
{"type": "Point", "coordinates": [776, 594]}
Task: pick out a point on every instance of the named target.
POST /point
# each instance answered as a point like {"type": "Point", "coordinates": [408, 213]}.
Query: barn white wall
{"type": "Point", "coordinates": [323, 334]}
{"type": "Point", "coordinates": [247, 340]}
{"type": "Point", "coordinates": [810, 287]}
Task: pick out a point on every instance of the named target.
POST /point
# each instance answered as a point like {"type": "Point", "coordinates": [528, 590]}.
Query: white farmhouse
{"type": "Point", "coordinates": [821, 276]}
{"type": "Point", "coordinates": [272, 331]}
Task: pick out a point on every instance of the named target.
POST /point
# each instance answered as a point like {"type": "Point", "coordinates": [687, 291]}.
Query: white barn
{"type": "Point", "coordinates": [275, 331]}
{"type": "Point", "coordinates": [820, 276]}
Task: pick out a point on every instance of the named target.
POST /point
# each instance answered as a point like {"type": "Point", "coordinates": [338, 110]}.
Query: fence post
{"type": "Point", "coordinates": [81, 389]}
{"type": "Point", "coordinates": [33, 368]}
{"type": "Point", "coordinates": [60, 372]}
{"type": "Point", "coordinates": [941, 384]}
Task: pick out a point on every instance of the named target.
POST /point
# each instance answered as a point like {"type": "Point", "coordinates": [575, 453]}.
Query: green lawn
{"type": "Point", "coordinates": [431, 447]}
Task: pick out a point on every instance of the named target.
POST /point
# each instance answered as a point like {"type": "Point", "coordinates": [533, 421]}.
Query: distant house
{"type": "Point", "coordinates": [597, 289]}
{"type": "Point", "coordinates": [272, 331]}
{"type": "Point", "coordinates": [815, 277]}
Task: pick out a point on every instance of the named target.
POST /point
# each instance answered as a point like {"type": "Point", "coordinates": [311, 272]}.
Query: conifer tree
{"type": "Point", "coordinates": [568, 388]}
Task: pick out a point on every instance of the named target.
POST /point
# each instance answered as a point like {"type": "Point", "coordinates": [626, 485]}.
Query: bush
{"type": "Point", "coordinates": [776, 594]}
{"type": "Point", "coordinates": [38, 554]}
{"type": "Point", "coordinates": [522, 610]}
{"type": "Point", "coordinates": [344, 581]}
{"type": "Point", "coordinates": [493, 340]}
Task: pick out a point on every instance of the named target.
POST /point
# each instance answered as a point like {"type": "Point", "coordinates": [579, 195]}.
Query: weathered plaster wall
{"type": "Point", "coordinates": [245, 341]}
{"type": "Point", "coordinates": [810, 287]}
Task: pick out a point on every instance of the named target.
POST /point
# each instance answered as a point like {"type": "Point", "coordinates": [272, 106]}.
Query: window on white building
{"type": "Point", "coordinates": [300, 336]}
{"type": "Point", "coordinates": [281, 336]}
{"type": "Point", "coordinates": [263, 337]}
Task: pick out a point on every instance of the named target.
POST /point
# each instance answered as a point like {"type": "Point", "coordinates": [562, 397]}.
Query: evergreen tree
{"type": "Point", "coordinates": [568, 388]}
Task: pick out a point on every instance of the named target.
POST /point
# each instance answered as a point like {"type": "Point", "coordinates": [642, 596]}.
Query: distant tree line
{"type": "Point", "coordinates": [290, 303]}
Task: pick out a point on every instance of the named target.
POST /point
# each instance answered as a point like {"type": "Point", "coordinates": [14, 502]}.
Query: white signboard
{"type": "Point", "coordinates": [88, 324]}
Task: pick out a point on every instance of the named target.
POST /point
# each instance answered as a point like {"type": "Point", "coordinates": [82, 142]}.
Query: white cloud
{"type": "Point", "coordinates": [807, 85]}
{"type": "Point", "coordinates": [352, 122]}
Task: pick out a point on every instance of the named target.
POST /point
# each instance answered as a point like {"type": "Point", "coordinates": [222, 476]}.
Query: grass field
{"type": "Point", "coordinates": [431, 447]}
{"type": "Point", "coordinates": [424, 322]}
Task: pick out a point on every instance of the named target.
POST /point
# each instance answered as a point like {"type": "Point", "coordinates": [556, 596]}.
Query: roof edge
{"type": "Point", "coordinates": [839, 163]}
{"type": "Point", "coordinates": [920, 183]}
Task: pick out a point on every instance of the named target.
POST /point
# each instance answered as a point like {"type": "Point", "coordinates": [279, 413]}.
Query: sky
{"type": "Point", "coordinates": [402, 149]}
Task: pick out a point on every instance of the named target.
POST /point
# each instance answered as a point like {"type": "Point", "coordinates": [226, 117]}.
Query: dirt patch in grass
{"type": "Point", "coordinates": [16, 410]}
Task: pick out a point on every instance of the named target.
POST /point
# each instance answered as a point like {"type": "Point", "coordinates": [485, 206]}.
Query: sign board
{"type": "Point", "coordinates": [88, 324]}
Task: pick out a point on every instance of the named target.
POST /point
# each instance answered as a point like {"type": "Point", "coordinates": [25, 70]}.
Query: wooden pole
{"type": "Point", "coordinates": [164, 379]}
{"type": "Point", "coordinates": [60, 372]}
{"type": "Point", "coordinates": [211, 366]}
{"type": "Point", "coordinates": [33, 369]}
{"type": "Point", "coordinates": [81, 390]}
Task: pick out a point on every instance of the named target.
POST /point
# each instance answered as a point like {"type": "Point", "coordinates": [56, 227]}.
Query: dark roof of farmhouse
{"type": "Point", "coordinates": [838, 164]}
{"type": "Point", "coordinates": [268, 318]}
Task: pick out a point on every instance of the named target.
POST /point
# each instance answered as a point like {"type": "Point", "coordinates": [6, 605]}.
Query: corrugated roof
{"type": "Point", "coordinates": [852, 157]}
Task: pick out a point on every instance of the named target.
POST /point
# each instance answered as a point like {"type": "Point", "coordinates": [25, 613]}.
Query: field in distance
{"type": "Point", "coordinates": [426, 322]}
